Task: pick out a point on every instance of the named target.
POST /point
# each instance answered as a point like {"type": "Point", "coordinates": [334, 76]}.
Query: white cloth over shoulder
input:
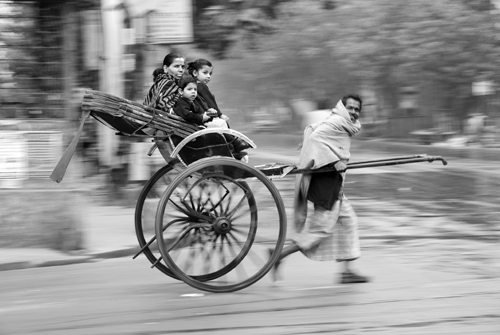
{"type": "Point", "coordinates": [324, 143]}
{"type": "Point", "coordinates": [328, 141]}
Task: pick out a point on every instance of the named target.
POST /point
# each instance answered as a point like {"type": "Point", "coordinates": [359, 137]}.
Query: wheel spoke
{"type": "Point", "coordinates": [243, 213]}
{"type": "Point", "coordinates": [239, 269]}
{"type": "Point", "coordinates": [223, 261]}
{"type": "Point", "coordinates": [238, 206]}
{"type": "Point", "coordinates": [209, 255]}
{"type": "Point", "coordinates": [189, 211]}
{"type": "Point", "coordinates": [192, 251]}
{"type": "Point", "coordinates": [255, 258]}
{"type": "Point", "coordinates": [185, 231]}
{"type": "Point", "coordinates": [205, 252]}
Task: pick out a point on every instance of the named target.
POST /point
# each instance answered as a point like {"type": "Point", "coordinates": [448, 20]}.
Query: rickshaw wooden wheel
{"type": "Point", "coordinates": [145, 212]}
{"type": "Point", "coordinates": [216, 223]}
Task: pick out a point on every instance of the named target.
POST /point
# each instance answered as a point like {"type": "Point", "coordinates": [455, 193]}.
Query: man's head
{"type": "Point", "coordinates": [353, 104]}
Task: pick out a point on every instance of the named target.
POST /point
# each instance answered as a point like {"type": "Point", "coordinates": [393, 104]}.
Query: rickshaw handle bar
{"type": "Point", "coordinates": [390, 159]}
{"type": "Point", "coordinates": [375, 163]}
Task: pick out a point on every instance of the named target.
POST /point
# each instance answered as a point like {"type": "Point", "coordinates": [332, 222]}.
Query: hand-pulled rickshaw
{"type": "Point", "coordinates": [214, 217]}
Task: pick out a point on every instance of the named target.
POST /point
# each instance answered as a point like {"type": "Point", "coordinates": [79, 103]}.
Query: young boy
{"type": "Point", "coordinates": [192, 112]}
{"type": "Point", "coordinates": [185, 106]}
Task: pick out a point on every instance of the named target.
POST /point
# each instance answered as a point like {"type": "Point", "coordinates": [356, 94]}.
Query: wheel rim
{"type": "Point", "coordinates": [207, 223]}
{"type": "Point", "coordinates": [144, 222]}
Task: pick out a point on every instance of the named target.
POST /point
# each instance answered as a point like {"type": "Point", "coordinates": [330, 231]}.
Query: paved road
{"type": "Point", "coordinates": [413, 293]}
{"type": "Point", "coordinates": [435, 271]}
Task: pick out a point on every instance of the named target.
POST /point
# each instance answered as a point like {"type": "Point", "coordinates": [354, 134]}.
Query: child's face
{"type": "Point", "coordinates": [190, 91]}
{"type": "Point", "coordinates": [176, 69]}
{"type": "Point", "coordinates": [204, 74]}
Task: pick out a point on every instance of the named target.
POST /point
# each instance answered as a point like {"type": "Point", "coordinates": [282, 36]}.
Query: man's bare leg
{"type": "Point", "coordinates": [287, 251]}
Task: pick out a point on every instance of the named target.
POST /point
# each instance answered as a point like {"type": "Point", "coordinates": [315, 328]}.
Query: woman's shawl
{"type": "Point", "coordinates": [324, 143]}
{"type": "Point", "coordinates": [163, 94]}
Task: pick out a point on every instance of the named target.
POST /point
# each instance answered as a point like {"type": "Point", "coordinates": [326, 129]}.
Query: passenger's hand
{"type": "Point", "coordinates": [340, 166]}
{"type": "Point", "coordinates": [206, 117]}
{"type": "Point", "coordinates": [224, 117]}
{"type": "Point", "coordinates": [212, 112]}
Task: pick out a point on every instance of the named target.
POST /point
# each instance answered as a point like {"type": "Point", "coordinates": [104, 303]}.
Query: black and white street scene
{"type": "Point", "coordinates": [281, 167]}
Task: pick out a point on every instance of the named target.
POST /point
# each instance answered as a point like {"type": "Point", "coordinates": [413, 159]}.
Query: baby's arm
{"type": "Point", "coordinates": [183, 110]}
{"type": "Point", "coordinates": [212, 112]}
{"type": "Point", "coordinates": [206, 117]}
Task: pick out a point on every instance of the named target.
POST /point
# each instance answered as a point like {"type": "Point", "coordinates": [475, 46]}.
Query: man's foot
{"type": "Point", "coordinates": [274, 269]}
{"type": "Point", "coordinates": [353, 278]}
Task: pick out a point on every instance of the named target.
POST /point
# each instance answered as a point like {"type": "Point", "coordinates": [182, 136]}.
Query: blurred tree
{"type": "Point", "coordinates": [16, 33]}
{"type": "Point", "coordinates": [404, 44]}
{"type": "Point", "coordinates": [220, 24]}
{"type": "Point", "coordinates": [32, 36]}
{"type": "Point", "coordinates": [480, 5]}
{"type": "Point", "coordinates": [389, 43]}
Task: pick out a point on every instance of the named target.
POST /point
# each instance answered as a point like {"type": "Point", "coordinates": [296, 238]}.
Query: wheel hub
{"type": "Point", "coordinates": [222, 225]}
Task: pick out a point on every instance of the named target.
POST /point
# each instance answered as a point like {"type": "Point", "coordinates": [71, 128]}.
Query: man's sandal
{"type": "Point", "coordinates": [353, 278]}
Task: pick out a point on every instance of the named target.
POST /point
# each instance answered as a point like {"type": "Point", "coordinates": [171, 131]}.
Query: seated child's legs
{"type": "Point", "coordinates": [217, 123]}
{"type": "Point", "coordinates": [239, 145]}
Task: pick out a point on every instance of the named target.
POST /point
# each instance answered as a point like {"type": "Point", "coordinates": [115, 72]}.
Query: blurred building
{"type": "Point", "coordinates": [52, 50]}
{"type": "Point", "coordinates": [39, 68]}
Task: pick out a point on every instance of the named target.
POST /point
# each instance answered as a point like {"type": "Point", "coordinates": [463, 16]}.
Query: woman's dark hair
{"type": "Point", "coordinates": [354, 97]}
{"type": "Point", "coordinates": [184, 81]}
{"type": "Point", "coordinates": [197, 65]}
{"type": "Point", "coordinates": [157, 72]}
{"type": "Point", "coordinates": [169, 59]}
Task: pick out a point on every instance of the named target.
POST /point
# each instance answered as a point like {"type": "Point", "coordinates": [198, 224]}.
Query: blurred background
{"type": "Point", "coordinates": [428, 72]}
